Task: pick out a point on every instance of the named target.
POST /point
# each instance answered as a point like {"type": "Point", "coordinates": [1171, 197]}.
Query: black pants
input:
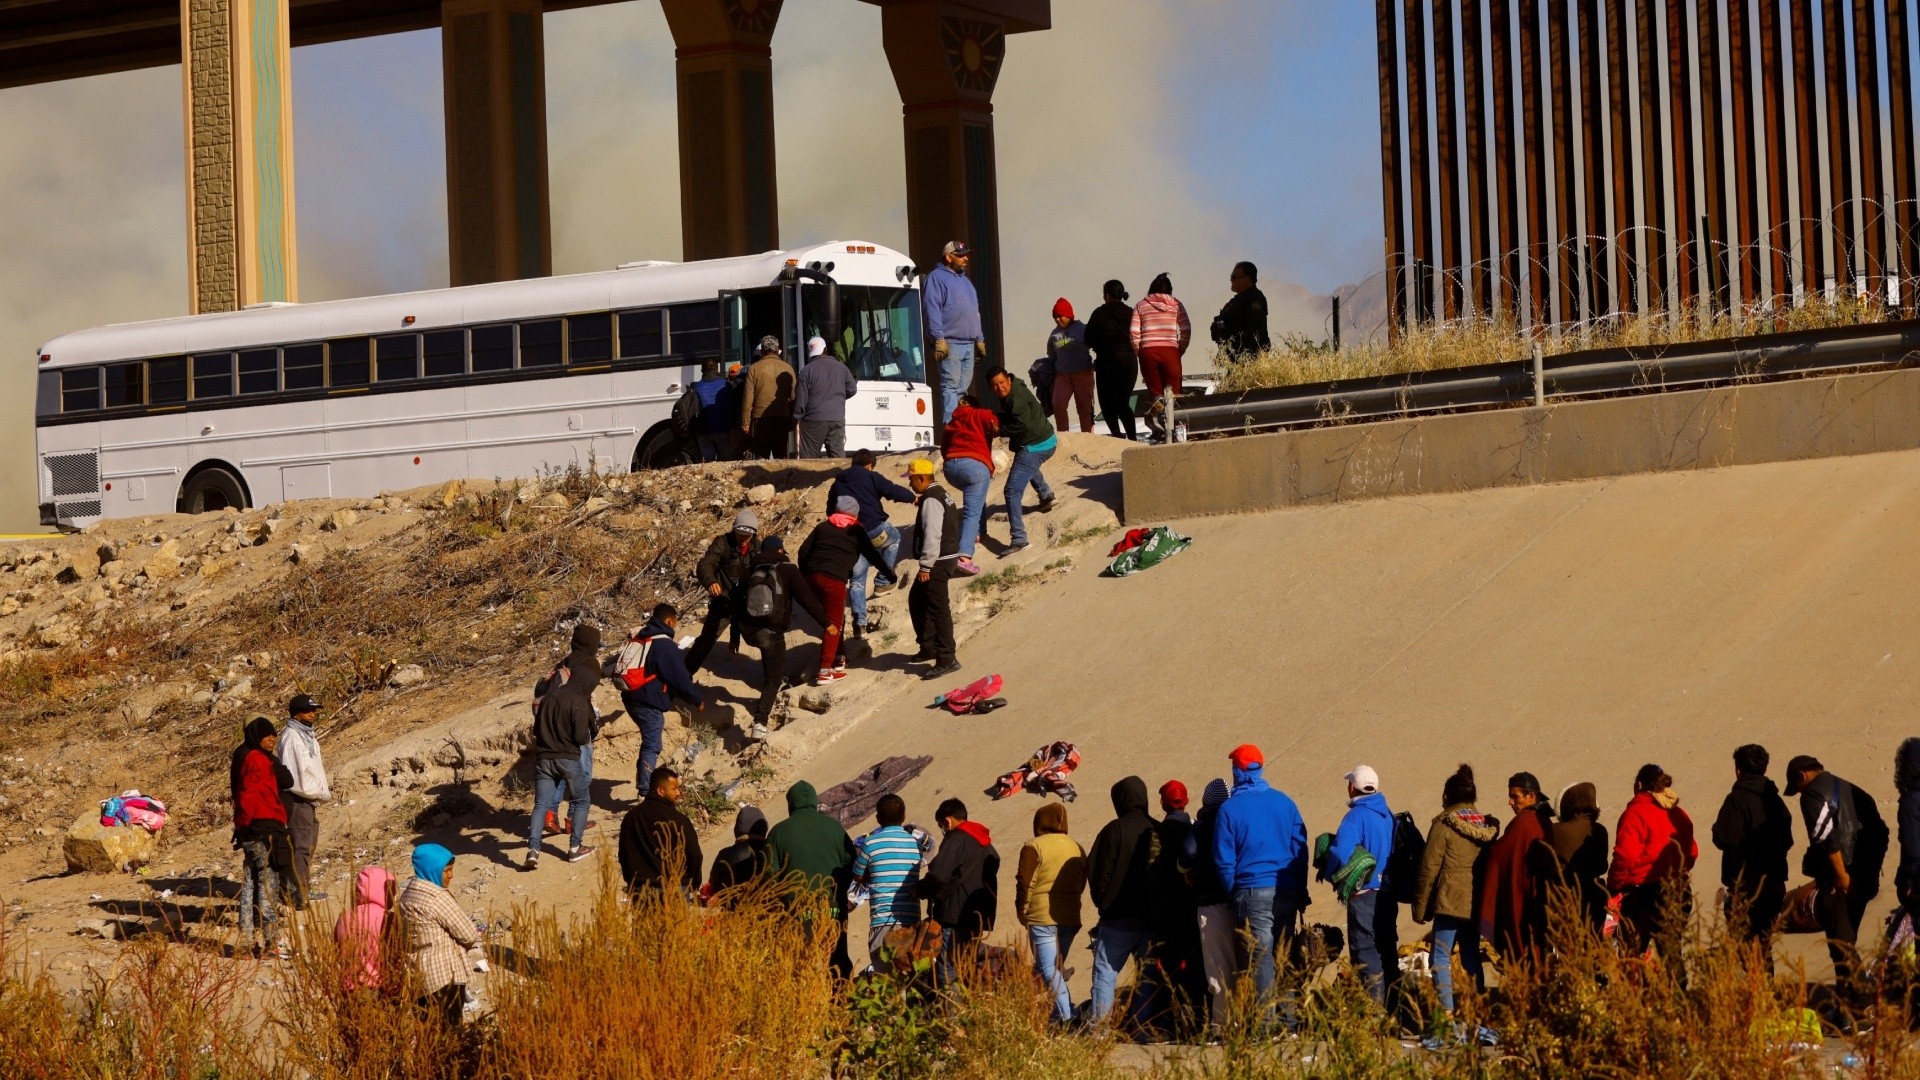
{"type": "Point", "coordinates": [1116, 399]}
{"type": "Point", "coordinates": [1839, 917]}
{"type": "Point", "coordinates": [770, 435]}
{"type": "Point", "coordinates": [450, 1001]}
{"type": "Point", "coordinates": [303, 831]}
{"type": "Point", "coordinates": [773, 669]}
{"type": "Point", "coordinates": [932, 615]}
{"type": "Point", "coordinates": [1763, 908]}
{"type": "Point", "coordinates": [719, 613]}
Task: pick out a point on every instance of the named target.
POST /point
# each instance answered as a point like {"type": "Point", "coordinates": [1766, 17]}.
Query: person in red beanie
{"type": "Point", "coordinates": [1072, 367]}
{"type": "Point", "coordinates": [1173, 911]}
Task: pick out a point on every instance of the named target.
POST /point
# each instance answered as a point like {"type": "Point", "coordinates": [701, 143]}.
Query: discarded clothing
{"type": "Point", "coordinates": [133, 808]}
{"type": "Point", "coordinates": [975, 697]}
{"type": "Point", "coordinates": [1133, 539]}
{"type": "Point", "coordinates": [1349, 876]}
{"type": "Point", "coordinates": [1159, 545]}
{"type": "Point", "coordinates": [1045, 773]}
{"type": "Point", "coordinates": [852, 802]}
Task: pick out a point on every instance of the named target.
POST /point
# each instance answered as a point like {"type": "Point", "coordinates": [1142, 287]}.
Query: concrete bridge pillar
{"type": "Point", "coordinates": [239, 143]}
{"type": "Point", "coordinates": [946, 58]}
{"type": "Point", "coordinates": [723, 53]}
{"type": "Point", "coordinates": [498, 226]}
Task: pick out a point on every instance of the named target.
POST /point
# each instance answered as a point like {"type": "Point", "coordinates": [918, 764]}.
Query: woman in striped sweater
{"type": "Point", "coordinates": [1161, 334]}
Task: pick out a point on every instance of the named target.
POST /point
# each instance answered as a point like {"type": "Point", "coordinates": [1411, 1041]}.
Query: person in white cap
{"type": "Point", "coordinates": [820, 402]}
{"type": "Point", "coordinates": [1373, 916]}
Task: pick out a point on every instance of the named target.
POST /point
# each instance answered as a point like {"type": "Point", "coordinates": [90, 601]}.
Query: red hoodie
{"type": "Point", "coordinates": [1654, 842]}
{"type": "Point", "coordinates": [970, 435]}
{"type": "Point", "coordinates": [258, 797]}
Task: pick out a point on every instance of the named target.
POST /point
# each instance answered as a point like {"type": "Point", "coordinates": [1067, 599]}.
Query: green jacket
{"type": "Point", "coordinates": [813, 845]}
{"type": "Point", "coordinates": [1023, 420]}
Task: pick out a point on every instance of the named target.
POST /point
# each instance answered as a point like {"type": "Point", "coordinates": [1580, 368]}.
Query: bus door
{"type": "Point", "coordinates": [748, 315]}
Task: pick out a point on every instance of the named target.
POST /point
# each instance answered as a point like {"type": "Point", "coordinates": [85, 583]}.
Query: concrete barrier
{"type": "Point", "coordinates": [1703, 429]}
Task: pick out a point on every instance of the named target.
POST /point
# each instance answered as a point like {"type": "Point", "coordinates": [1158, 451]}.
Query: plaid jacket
{"type": "Point", "coordinates": [438, 934]}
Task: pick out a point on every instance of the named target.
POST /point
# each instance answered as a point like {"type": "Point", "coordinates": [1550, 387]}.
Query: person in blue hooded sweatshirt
{"type": "Point", "coordinates": [439, 934]}
{"type": "Point", "coordinates": [1260, 850]}
{"type": "Point", "coordinates": [1373, 915]}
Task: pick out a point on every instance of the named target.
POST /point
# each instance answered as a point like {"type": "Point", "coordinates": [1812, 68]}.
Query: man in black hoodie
{"type": "Point", "coordinates": [721, 571]}
{"type": "Point", "coordinates": [1906, 781]}
{"type": "Point", "coordinates": [765, 614]}
{"type": "Point", "coordinates": [1846, 848]}
{"type": "Point", "coordinates": [654, 835]}
{"type": "Point", "coordinates": [962, 883]}
{"type": "Point", "coordinates": [1120, 880]}
{"type": "Point", "coordinates": [563, 729]}
{"type": "Point", "coordinates": [1754, 832]}
{"type": "Point", "coordinates": [741, 861]}
{"type": "Point", "coordinates": [578, 672]}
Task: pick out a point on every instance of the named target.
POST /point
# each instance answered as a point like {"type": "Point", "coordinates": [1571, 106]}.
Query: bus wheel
{"type": "Point", "coordinates": [212, 489]}
{"type": "Point", "coordinates": [663, 450]}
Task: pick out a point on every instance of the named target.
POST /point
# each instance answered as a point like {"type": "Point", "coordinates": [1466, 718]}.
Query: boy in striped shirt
{"type": "Point", "coordinates": [887, 863]}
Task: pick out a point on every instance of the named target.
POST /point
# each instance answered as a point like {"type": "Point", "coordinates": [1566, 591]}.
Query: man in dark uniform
{"type": "Point", "coordinates": [1241, 327]}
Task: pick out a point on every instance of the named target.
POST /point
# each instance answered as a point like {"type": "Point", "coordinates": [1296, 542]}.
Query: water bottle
{"type": "Point", "coordinates": [1180, 431]}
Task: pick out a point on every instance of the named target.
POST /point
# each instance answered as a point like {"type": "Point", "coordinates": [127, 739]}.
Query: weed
{"type": "Point", "coordinates": [999, 581]}
{"type": "Point", "coordinates": [1091, 532]}
{"type": "Point", "coordinates": [705, 800]}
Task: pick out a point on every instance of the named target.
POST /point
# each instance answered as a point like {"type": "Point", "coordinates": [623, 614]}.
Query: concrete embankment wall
{"type": "Point", "coordinates": [1654, 433]}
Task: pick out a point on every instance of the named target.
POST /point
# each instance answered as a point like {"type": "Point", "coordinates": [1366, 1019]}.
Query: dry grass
{"type": "Point", "coordinates": [1464, 343]}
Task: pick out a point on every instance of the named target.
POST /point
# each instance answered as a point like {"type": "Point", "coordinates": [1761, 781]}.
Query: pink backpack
{"type": "Point", "coordinates": [975, 697]}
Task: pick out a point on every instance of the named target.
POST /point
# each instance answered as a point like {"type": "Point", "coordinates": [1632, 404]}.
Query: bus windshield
{"type": "Point", "coordinates": [880, 331]}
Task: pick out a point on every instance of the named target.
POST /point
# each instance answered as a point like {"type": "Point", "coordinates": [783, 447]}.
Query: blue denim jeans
{"type": "Point", "coordinates": [653, 726]}
{"type": "Point", "coordinates": [1449, 931]}
{"type": "Point", "coordinates": [956, 377]}
{"type": "Point", "coordinates": [1373, 940]}
{"type": "Point", "coordinates": [1050, 946]}
{"type": "Point", "coordinates": [1268, 917]}
{"type": "Point", "coordinates": [972, 478]}
{"type": "Point", "coordinates": [889, 545]}
{"type": "Point", "coordinates": [549, 776]}
{"type": "Point", "coordinates": [1114, 940]}
{"type": "Point", "coordinates": [1025, 470]}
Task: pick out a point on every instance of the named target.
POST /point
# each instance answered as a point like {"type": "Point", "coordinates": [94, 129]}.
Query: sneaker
{"type": "Point", "coordinates": [533, 861]}
{"type": "Point", "coordinates": [829, 675]}
{"type": "Point", "coordinates": [579, 853]}
{"type": "Point", "coordinates": [1046, 504]}
{"type": "Point", "coordinates": [942, 669]}
{"type": "Point", "coordinates": [924, 656]}
{"type": "Point", "coordinates": [872, 627]}
{"type": "Point", "coordinates": [758, 733]}
{"type": "Point", "coordinates": [840, 665]}
{"type": "Point", "coordinates": [967, 566]}
{"type": "Point", "coordinates": [316, 895]}
{"type": "Point", "coordinates": [1015, 549]}
{"type": "Point", "coordinates": [553, 823]}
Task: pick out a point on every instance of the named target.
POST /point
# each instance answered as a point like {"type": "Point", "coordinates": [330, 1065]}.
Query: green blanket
{"type": "Point", "coordinates": [1160, 546]}
{"type": "Point", "coordinates": [1352, 874]}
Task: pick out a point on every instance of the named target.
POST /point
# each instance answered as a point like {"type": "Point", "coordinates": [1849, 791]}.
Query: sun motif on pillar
{"type": "Point", "coordinates": [975, 51]}
{"type": "Point", "coordinates": [753, 16]}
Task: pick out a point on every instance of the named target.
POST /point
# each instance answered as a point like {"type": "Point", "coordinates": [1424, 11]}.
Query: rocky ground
{"type": "Point", "coordinates": [131, 655]}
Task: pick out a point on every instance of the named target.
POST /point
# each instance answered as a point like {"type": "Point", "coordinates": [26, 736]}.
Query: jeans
{"type": "Point", "coordinates": [1026, 469]}
{"type": "Point", "coordinates": [259, 889]}
{"type": "Point", "coordinates": [717, 446]}
{"type": "Point", "coordinates": [818, 434]}
{"type": "Point", "coordinates": [1447, 932]}
{"type": "Point", "coordinates": [956, 377]}
{"type": "Point", "coordinates": [972, 478]}
{"type": "Point", "coordinates": [549, 775]}
{"type": "Point", "coordinates": [887, 539]}
{"type": "Point", "coordinates": [1268, 917]}
{"type": "Point", "coordinates": [1373, 938]}
{"type": "Point", "coordinates": [1216, 956]}
{"type": "Point", "coordinates": [1050, 946]}
{"type": "Point", "coordinates": [1113, 941]}
{"type": "Point", "coordinates": [653, 726]}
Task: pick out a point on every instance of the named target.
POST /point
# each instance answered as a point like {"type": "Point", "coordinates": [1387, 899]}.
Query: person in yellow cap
{"type": "Point", "coordinates": [937, 548]}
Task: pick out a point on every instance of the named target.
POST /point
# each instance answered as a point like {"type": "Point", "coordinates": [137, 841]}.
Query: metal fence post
{"type": "Point", "coordinates": [1336, 324]}
{"type": "Point", "coordinates": [1539, 377]}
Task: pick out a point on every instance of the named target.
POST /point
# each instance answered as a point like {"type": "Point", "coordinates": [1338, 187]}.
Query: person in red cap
{"type": "Point", "coordinates": [1072, 367]}
{"type": "Point", "coordinates": [1260, 850]}
{"type": "Point", "coordinates": [1173, 914]}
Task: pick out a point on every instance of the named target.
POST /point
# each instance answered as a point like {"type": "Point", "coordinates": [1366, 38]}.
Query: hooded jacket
{"type": "Point", "coordinates": [1367, 824]}
{"type": "Point", "coordinates": [745, 858]}
{"type": "Point", "coordinates": [1110, 336]}
{"type": "Point", "coordinates": [359, 932]}
{"type": "Point", "coordinates": [831, 550]}
{"type": "Point", "coordinates": [812, 845]}
{"type": "Point", "coordinates": [970, 435]}
{"type": "Point", "coordinates": [1022, 420]}
{"type": "Point", "coordinates": [962, 883]}
{"type": "Point", "coordinates": [1196, 861]}
{"type": "Point", "coordinates": [1906, 780]}
{"type": "Point", "coordinates": [1160, 321]}
{"type": "Point", "coordinates": [1754, 832]}
{"type": "Point", "coordinates": [651, 836]}
{"type": "Point", "coordinates": [1653, 842]}
{"type": "Point", "coordinates": [1455, 841]}
{"type": "Point", "coordinates": [725, 563]}
{"type": "Point", "coordinates": [1260, 840]}
{"type": "Point", "coordinates": [256, 785]}
{"type": "Point", "coordinates": [1577, 852]}
{"type": "Point", "coordinates": [564, 722]}
{"type": "Point", "coordinates": [668, 666]}
{"type": "Point", "coordinates": [1067, 347]}
{"type": "Point", "coordinates": [1120, 867]}
{"type": "Point", "coordinates": [867, 488]}
{"type": "Point", "coordinates": [299, 752]}
{"type": "Point", "coordinates": [799, 589]}
{"type": "Point", "coordinates": [1512, 908]}
{"type": "Point", "coordinates": [1051, 876]}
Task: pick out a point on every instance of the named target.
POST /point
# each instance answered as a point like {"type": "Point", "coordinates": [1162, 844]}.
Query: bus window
{"type": "Point", "coordinates": [212, 376]}
{"type": "Point", "coordinates": [260, 370]}
{"type": "Point", "coordinates": [446, 353]}
{"type": "Point", "coordinates": [305, 367]}
{"type": "Point", "coordinates": [125, 385]}
{"type": "Point", "coordinates": [589, 338]}
{"type": "Point", "coordinates": [492, 348]}
{"type": "Point", "coordinates": [696, 329]}
{"type": "Point", "coordinates": [398, 358]}
{"type": "Point", "coordinates": [540, 343]}
{"type": "Point", "coordinates": [80, 389]}
{"type": "Point", "coordinates": [347, 362]}
{"type": "Point", "coordinates": [642, 333]}
{"type": "Point", "coordinates": [167, 381]}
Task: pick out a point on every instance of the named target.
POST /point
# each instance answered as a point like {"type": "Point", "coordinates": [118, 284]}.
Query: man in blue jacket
{"type": "Point", "coordinates": [1373, 915]}
{"type": "Point", "coordinates": [864, 484]}
{"type": "Point", "coordinates": [1260, 850]}
{"type": "Point", "coordinates": [650, 673]}
{"type": "Point", "coordinates": [953, 323]}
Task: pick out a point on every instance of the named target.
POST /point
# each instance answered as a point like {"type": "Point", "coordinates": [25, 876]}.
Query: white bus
{"type": "Point", "coordinates": [348, 398]}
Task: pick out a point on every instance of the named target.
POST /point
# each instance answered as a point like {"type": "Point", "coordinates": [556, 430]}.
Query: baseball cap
{"type": "Point", "coordinates": [1801, 763]}
{"type": "Point", "coordinates": [1364, 779]}
{"type": "Point", "coordinates": [769, 346]}
{"type": "Point", "coordinates": [1246, 756]}
{"type": "Point", "coordinates": [302, 703]}
{"type": "Point", "coordinates": [1173, 793]}
{"type": "Point", "coordinates": [920, 467]}
{"type": "Point", "coordinates": [773, 543]}
{"type": "Point", "coordinates": [958, 247]}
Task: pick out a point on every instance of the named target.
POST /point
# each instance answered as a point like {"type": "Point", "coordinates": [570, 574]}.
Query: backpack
{"type": "Point", "coordinates": [1403, 864]}
{"type": "Point", "coordinates": [631, 664]}
{"type": "Point", "coordinates": [686, 414]}
{"type": "Point", "coordinates": [767, 600]}
{"type": "Point", "coordinates": [1040, 376]}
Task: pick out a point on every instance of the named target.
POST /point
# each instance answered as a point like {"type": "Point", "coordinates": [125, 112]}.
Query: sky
{"type": "Point", "coordinates": [1135, 137]}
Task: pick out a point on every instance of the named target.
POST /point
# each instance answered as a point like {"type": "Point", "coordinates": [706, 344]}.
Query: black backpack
{"type": "Point", "coordinates": [1041, 376]}
{"type": "Point", "coordinates": [1403, 865]}
{"type": "Point", "coordinates": [766, 598]}
{"type": "Point", "coordinates": [686, 414]}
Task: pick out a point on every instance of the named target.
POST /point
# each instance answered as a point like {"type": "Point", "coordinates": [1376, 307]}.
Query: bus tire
{"type": "Point", "coordinates": [210, 489]}
{"type": "Point", "coordinates": [662, 449]}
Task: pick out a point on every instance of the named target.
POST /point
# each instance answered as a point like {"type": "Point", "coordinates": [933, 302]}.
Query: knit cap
{"type": "Point", "coordinates": [1215, 793]}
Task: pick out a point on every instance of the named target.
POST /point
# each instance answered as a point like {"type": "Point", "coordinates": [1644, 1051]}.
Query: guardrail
{"type": "Point", "coordinates": [1537, 380]}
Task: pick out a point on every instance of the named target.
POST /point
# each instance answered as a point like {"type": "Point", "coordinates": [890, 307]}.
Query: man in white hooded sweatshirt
{"type": "Point", "coordinates": [299, 753]}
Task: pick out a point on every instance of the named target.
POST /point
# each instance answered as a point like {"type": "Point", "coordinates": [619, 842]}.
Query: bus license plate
{"type": "Point", "coordinates": [884, 434]}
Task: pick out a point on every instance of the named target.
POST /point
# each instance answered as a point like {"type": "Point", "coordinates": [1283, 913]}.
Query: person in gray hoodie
{"type": "Point", "coordinates": [820, 402]}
